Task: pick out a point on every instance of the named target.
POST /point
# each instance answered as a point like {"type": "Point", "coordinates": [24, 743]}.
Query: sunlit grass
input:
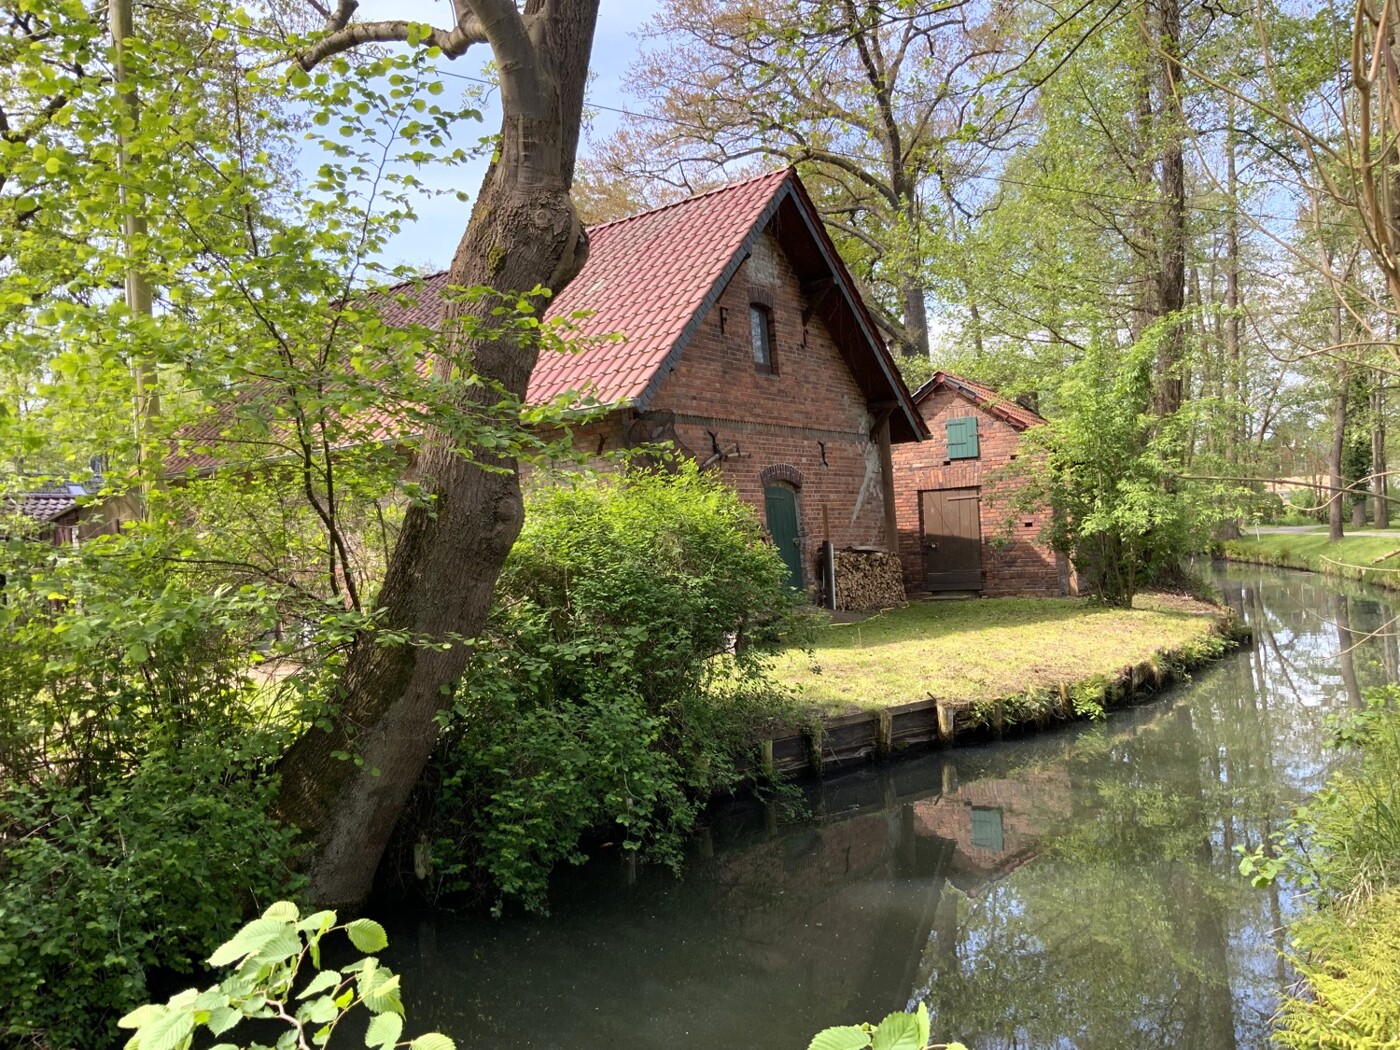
{"type": "Point", "coordinates": [1375, 559]}
{"type": "Point", "coordinates": [983, 649]}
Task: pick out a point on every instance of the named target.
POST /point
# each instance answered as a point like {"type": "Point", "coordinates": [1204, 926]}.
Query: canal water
{"type": "Point", "coordinates": [1072, 889]}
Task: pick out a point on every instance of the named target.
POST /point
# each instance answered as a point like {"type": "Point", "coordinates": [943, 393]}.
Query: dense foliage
{"type": "Point", "coordinates": [134, 786]}
{"type": "Point", "coordinates": [621, 679]}
{"type": "Point", "coordinates": [1110, 472]}
{"type": "Point", "coordinates": [1346, 853]}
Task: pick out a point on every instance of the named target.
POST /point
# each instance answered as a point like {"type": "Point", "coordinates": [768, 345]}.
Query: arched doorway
{"type": "Point", "coordinates": [780, 508]}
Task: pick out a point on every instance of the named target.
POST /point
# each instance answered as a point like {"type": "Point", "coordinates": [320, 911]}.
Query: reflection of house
{"type": "Point", "coordinates": [994, 824]}
{"type": "Point", "coordinates": [959, 528]}
{"type": "Point", "coordinates": [747, 345]}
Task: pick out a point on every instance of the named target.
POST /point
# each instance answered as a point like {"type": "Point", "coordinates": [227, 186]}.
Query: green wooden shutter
{"type": "Point", "coordinates": [962, 438]}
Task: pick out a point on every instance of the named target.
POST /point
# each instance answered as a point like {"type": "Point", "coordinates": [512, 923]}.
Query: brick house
{"type": "Point", "coordinates": [955, 517]}
{"type": "Point", "coordinates": [746, 344]}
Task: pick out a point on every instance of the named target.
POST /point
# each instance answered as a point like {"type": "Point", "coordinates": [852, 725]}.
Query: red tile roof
{"type": "Point", "coordinates": [646, 283]}
{"type": "Point", "coordinates": [646, 278]}
{"type": "Point", "coordinates": [1018, 415]}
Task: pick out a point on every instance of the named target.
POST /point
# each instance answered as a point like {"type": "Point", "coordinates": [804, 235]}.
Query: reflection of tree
{"type": "Point", "coordinates": [1111, 916]}
{"type": "Point", "coordinates": [1346, 646]}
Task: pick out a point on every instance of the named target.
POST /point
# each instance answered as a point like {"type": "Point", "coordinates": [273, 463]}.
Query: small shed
{"type": "Point", "coordinates": [955, 498]}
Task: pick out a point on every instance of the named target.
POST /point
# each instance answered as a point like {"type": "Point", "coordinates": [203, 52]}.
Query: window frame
{"type": "Point", "coordinates": [974, 438]}
{"type": "Point", "coordinates": [767, 365]}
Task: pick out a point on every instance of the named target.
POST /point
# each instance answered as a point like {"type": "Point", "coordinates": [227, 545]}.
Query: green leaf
{"type": "Point", "coordinates": [381, 993]}
{"type": "Point", "coordinates": [897, 1032]}
{"type": "Point", "coordinates": [142, 1015]}
{"type": "Point", "coordinates": [258, 937]}
{"type": "Point", "coordinates": [283, 911]}
{"type": "Point", "coordinates": [222, 1018]}
{"type": "Point", "coordinates": [319, 1011]}
{"type": "Point", "coordinates": [322, 982]}
{"type": "Point", "coordinates": [367, 935]}
{"type": "Point", "coordinates": [384, 1030]}
{"type": "Point", "coordinates": [432, 1041]}
{"type": "Point", "coordinates": [922, 1018]}
{"type": "Point", "coordinates": [845, 1037]}
{"type": "Point", "coordinates": [168, 1031]}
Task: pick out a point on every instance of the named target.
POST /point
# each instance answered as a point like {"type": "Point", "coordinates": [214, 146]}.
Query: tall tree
{"type": "Point", "coordinates": [883, 104]}
{"type": "Point", "coordinates": [524, 236]}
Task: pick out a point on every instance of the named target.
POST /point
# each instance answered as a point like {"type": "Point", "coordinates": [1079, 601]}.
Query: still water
{"type": "Point", "coordinates": [1072, 889]}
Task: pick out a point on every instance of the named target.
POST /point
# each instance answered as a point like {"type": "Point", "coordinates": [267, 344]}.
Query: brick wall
{"type": "Point", "coordinates": [1014, 558]}
{"type": "Point", "coordinates": [806, 424]}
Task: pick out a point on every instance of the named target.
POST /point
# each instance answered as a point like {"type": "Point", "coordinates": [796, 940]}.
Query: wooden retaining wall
{"type": "Point", "coordinates": [876, 736]}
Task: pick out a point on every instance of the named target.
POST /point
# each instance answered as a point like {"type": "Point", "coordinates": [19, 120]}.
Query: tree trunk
{"type": "Point", "coordinates": [1379, 487]}
{"type": "Point", "coordinates": [523, 233]}
{"type": "Point", "coordinates": [915, 305]}
{"type": "Point", "coordinates": [1334, 453]}
{"type": "Point", "coordinates": [1171, 275]}
{"type": "Point", "coordinates": [1233, 359]}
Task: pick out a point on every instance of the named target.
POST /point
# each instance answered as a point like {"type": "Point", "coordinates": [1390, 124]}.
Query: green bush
{"type": "Point", "coordinates": [622, 677]}
{"type": "Point", "coordinates": [100, 888]}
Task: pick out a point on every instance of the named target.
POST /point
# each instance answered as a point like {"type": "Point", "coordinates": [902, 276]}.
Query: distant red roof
{"type": "Point", "coordinates": [45, 505]}
{"type": "Point", "coordinates": [1018, 415]}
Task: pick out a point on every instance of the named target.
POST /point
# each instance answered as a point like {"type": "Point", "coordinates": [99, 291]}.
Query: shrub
{"type": "Point", "coordinates": [102, 887]}
{"type": "Point", "coordinates": [621, 678]}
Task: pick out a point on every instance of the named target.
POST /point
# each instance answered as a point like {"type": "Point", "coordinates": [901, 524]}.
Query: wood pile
{"type": "Point", "coordinates": [868, 579]}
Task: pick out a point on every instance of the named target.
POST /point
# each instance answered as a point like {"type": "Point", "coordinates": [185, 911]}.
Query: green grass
{"type": "Point", "coordinates": [1375, 559]}
{"type": "Point", "coordinates": [983, 650]}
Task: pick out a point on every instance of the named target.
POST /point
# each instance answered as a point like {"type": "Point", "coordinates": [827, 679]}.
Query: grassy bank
{"type": "Point", "coordinates": [1372, 559]}
{"type": "Point", "coordinates": [1346, 945]}
{"type": "Point", "coordinates": [982, 651]}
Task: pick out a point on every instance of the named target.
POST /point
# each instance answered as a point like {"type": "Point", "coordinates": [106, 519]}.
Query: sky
{"type": "Point", "coordinates": [430, 242]}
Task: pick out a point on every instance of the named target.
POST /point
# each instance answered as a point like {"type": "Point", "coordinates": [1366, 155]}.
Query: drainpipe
{"type": "Point", "coordinates": [880, 434]}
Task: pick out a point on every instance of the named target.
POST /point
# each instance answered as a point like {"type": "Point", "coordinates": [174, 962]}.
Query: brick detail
{"type": "Point", "coordinates": [781, 472]}
{"type": "Point", "coordinates": [807, 423]}
{"type": "Point", "coordinates": [1015, 557]}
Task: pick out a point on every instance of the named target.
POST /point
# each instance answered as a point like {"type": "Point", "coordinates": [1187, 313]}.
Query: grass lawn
{"type": "Point", "coordinates": [983, 649]}
{"type": "Point", "coordinates": [1375, 559]}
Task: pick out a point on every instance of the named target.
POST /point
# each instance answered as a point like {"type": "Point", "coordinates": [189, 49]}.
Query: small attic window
{"type": "Point", "coordinates": [761, 334]}
{"type": "Point", "coordinates": [962, 438]}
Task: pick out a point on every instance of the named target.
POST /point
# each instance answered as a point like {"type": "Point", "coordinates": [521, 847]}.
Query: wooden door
{"type": "Point", "coordinates": [951, 522]}
{"type": "Point", "coordinates": [780, 507]}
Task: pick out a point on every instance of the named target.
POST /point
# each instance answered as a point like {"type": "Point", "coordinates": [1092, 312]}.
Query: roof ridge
{"type": "Point", "coordinates": [725, 188]}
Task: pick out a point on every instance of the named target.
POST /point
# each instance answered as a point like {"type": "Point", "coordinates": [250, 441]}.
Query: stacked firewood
{"type": "Point", "coordinates": [868, 579]}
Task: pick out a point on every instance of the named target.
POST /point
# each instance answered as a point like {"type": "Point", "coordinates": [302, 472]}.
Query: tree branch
{"type": "Point", "coordinates": [453, 43]}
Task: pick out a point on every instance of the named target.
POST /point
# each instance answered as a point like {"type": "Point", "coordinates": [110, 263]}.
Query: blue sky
{"type": "Point", "coordinates": [430, 242]}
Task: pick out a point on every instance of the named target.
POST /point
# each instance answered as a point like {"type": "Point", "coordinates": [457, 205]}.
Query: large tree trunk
{"type": "Point", "coordinates": [1233, 356]}
{"type": "Point", "coordinates": [523, 233]}
{"type": "Point", "coordinates": [1171, 274]}
{"type": "Point", "coordinates": [1379, 484]}
{"type": "Point", "coordinates": [915, 341]}
{"type": "Point", "coordinates": [1334, 455]}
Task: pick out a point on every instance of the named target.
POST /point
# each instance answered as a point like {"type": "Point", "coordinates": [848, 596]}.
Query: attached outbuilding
{"type": "Point", "coordinates": [960, 529]}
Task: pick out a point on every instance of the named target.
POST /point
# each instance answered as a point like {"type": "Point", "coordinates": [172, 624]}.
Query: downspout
{"type": "Point", "coordinates": [880, 434]}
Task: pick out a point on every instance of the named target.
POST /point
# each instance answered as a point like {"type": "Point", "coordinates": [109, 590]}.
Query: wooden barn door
{"type": "Point", "coordinates": [952, 539]}
{"type": "Point", "coordinates": [780, 507]}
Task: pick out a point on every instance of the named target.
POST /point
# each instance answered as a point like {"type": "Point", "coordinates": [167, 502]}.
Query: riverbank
{"type": "Point", "coordinates": [935, 673]}
{"type": "Point", "coordinates": [1373, 559]}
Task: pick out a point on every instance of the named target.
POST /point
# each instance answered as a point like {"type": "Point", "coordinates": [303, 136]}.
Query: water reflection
{"type": "Point", "coordinates": [1071, 890]}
